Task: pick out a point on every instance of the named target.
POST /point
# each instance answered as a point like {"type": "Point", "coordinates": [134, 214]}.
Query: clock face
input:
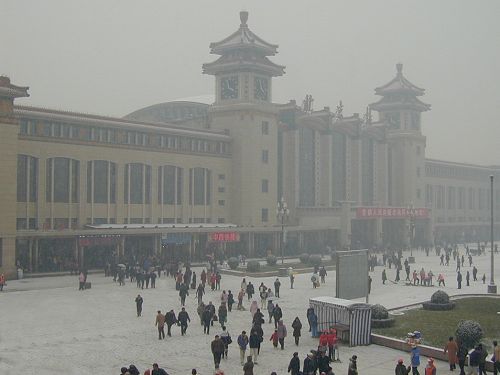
{"type": "Point", "coordinates": [261, 88]}
{"type": "Point", "coordinates": [229, 87]}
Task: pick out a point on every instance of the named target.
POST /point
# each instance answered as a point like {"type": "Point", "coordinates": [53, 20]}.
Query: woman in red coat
{"type": "Point", "coordinates": [451, 348]}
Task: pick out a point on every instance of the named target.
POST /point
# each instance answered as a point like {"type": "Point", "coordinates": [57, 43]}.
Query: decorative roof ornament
{"type": "Point", "coordinates": [243, 18]}
{"type": "Point", "coordinates": [10, 91]}
{"type": "Point", "coordinates": [367, 117]}
{"type": "Point", "coordinates": [307, 104]}
{"type": "Point", "coordinates": [339, 111]}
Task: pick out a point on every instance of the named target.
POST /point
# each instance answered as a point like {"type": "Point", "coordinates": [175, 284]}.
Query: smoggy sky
{"type": "Point", "coordinates": [112, 57]}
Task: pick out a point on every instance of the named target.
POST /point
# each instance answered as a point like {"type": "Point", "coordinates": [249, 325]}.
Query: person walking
{"type": "Point", "coordinates": [250, 290]}
{"type": "Point", "coordinates": [474, 361]}
{"type": "Point", "coordinates": [153, 279]}
{"type": "Point", "coordinates": [314, 324]}
{"type": "Point", "coordinates": [415, 360]}
{"type": "Point", "coordinates": [459, 280]}
{"type": "Point", "coordinates": [206, 318]}
{"type": "Point", "coordinates": [241, 294]}
{"type": "Point", "coordinates": [482, 360]}
{"type": "Point", "coordinates": [254, 343]}
{"type": "Point", "coordinates": [430, 369]}
{"type": "Point", "coordinates": [226, 339]}
{"type": "Point", "coordinates": [292, 279]}
{"type": "Point", "coordinates": [200, 291]}
{"type": "Point", "coordinates": [277, 315]}
{"type": "Point", "coordinates": [462, 356]}
{"type": "Point", "coordinates": [474, 273]}
{"type": "Point", "coordinates": [322, 274]}
{"type": "Point", "coordinates": [297, 326]}
{"type": "Point", "coordinates": [467, 278]}
{"type": "Point", "coordinates": [242, 344]}
{"type": "Point", "coordinates": [81, 280]}
{"type": "Point", "coordinates": [277, 285]}
{"type": "Point", "coordinates": [309, 367]}
{"type": "Point", "coordinates": [183, 292]}
{"type": "Point", "coordinates": [138, 304]}
{"type": "Point", "coordinates": [282, 333]}
{"type": "Point", "coordinates": [222, 314]}
{"type": "Point", "coordinates": [496, 358]}
{"type": "Point", "coordinates": [401, 369]}
{"type": "Point", "coordinates": [217, 347]}
{"type": "Point", "coordinates": [248, 366]}
{"type": "Point", "coordinates": [270, 308]}
{"type": "Point", "coordinates": [294, 365]}
{"type": "Point", "coordinates": [384, 276]}
{"type": "Point", "coordinates": [2, 281]}
{"type": "Point", "coordinates": [451, 348]}
{"type": "Point", "coordinates": [230, 300]}
{"type": "Point", "coordinates": [353, 365]}
{"type": "Point", "coordinates": [170, 319]}
{"type": "Point", "coordinates": [309, 312]}
{"type": "Point", "coordinates": [183, 319]}
{"type": "Point", "coordinates": [157, 370]}
{"type": "Point", "coordinates": [440, 280]}
{"type": "Point", "coordinates": [160, 324]}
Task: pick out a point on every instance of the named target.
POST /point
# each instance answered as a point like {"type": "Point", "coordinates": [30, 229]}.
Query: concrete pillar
{"type": "Point", "coordinates": [345, 224]}
{"type": "Point", "coordinates": [378, 235]}
{"type": "Point", "coordinates": [35, 255]}
{"type": "Point", "coordinates": [251, 244]}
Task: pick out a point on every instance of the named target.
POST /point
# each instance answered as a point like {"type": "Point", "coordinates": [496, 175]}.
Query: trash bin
{"type": "Point", "coordinates": [20, 273]}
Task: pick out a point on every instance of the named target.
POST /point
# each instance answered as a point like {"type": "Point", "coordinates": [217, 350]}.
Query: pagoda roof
{"type": "Point", "coordinates": [8, 90]}
{"type": "Point", "coordinates": [243, 38]}
{"type": "Point", "coordinates": [239, 62]}
{"type": "Point", "coordinates": [399, 84]}
{"type": "Point", "coordinates": [400, 102]}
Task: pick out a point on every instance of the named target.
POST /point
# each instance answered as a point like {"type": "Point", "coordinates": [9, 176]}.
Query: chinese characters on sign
{"type": "Point", "coordinates": [225, 237]}
{"type": "Point", "coordinates": [391, 212]}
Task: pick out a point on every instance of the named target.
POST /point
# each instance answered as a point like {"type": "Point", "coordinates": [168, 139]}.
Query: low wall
{"type": "Point", "coordinates": [425, 350]}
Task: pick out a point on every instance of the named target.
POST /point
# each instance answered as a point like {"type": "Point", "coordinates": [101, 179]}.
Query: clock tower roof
{"type": "Point", "coordinates": [243, 38]}
{"type": "Point", "coordinates": [243, 50]}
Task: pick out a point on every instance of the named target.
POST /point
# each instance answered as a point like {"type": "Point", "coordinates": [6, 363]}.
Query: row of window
{"type": "Point", "coordinates": [451, 197]}
{"type": "Point", "coordinates": [445, 171]}
{"type": "Point", "coordinates": [63, 182]}
{"type": "Point", "coordinates": [115, 136]}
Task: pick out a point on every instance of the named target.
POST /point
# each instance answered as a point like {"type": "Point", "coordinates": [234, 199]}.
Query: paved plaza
{"type": "Point", "coordinates": [48, 327]}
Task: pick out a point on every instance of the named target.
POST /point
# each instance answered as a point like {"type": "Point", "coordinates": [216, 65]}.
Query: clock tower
{"type": "Point", "coordinates": [243, 107]}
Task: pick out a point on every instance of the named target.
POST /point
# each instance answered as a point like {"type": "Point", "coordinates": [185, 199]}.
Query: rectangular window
{"type": "Point", "coordinates": [265, 127]}
{"type": "Point", "coordinates": [23, 128]}
{"type": "Point", "coordinates": [265, 156]}
{"type": "Point", "coordinates": [221, 189]}
{"type": "Point", "coordinates": [264, 216]}
{"type": "Point", "coordinates": [222, 202]}
{"type": "Point", "coordinates": [47, 129]}
{"type": "Point", "coordinates": [221, 220]}
{"type": "Point", "coordinates": [265, 186]}
{"type": "Point", "coordinates": [222, 177]}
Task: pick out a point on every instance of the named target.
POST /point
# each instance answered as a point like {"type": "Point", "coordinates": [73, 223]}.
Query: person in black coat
{"type": "Point", "coordinates": [322, 362]}
{"type": "Point", "coordinates": [309, 365]}
{"type": "Point", "coordinates": [257, 328]}
{"type": "Point", "coordinates": [206, 318]}
{"type": "Point", "coordinates": [170, 319]}
{"type": "Point", "coordinates": [277, 315]}
{"type": "Point", "coordinates": [230, 301]}
{"type": "Point", "coordinates": [294, 366]}
{"type": "Point", "coordinates": [258, 317]}
{"type": "Point", "coordinates": [138, 304]}
{"type": "Point", "coordinates": [183, 292]}
{"type": "Point", "coordinates": [250, 290]}
{"type": "Point", "coordinates": [183, 319]}
{"type": "Point", "coordinates": [297, 326]}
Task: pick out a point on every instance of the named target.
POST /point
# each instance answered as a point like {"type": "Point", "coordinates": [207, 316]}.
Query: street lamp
{"type": "Point", "coordinates": [492, 288]}
{"type": "Point", "coordinates": [411, 230]}
{"type": "Point", "coordinates": [282, 213]}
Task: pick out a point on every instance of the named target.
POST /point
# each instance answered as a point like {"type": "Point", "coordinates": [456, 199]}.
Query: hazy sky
{"type": "Point", "coordinates": [113, 57]}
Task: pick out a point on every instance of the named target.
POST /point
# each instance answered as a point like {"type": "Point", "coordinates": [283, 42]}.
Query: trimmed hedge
{"type": "Point", "coordinates": [438, 306]}
{"type": "Point", "coordinates": [304, 257]}
{"type": "Point", "coordinates": [253, 266]}
{"type": "Point", "coordinates": [440, 297]}
{"type": "Point", "coordinates": [271, 260]}
{"type": "Point", "coordinates": [469, 333]}
{"type": "Point", "coordinates": [379, 312]}
{"type": "Point", "coordinates": [233, 263]}
{"type": "Point", "coordinates": [383, 323]}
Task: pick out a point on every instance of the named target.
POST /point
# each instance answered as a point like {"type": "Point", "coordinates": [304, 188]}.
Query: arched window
{"type": "Point", "coordinates": [27, 178]}
{"type": "Point", "coordinates": [137, 183]}
{"type": "Point", "coordinates": [200, 186]}
{"type": "Point", "coordinates": [62, 180]}
{"type": "Point", "coordinates": [169, 185]}
{"type": "Point", "coordinates": [101, 181]}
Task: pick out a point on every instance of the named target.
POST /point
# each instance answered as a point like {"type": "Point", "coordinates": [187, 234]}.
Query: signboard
{"type": "Point", "coordinates": [98, 241]}
{"type": "Point", "coordinates": [175, 238]}
{"type": "Point", "coordinates": [352, 274]}
{"type": "Point", "coordinates": [391, 212]}
{"type": "Point", "coordinates": [224, 237]}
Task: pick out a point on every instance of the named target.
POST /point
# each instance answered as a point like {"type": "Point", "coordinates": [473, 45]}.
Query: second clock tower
{"type": "Point", "coordinates": [243, 107]}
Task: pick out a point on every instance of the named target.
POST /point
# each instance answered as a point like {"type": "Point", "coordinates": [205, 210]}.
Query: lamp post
{"type": "Point", "coordinates": [492, 288]}
{"type": "Point", "coordinates": [411, 231]}
{"type": "Point", "coordinates": [282, 213]}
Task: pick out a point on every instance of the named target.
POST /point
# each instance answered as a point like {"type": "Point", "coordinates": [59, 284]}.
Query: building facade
{"type": "Point", "coordinates": [183, 179]}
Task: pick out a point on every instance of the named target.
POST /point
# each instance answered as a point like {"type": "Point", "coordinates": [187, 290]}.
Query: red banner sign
{"type": "Point", "coordinates": [224, 237]}
{"type": "Point", "coordinates": [391, 212]}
